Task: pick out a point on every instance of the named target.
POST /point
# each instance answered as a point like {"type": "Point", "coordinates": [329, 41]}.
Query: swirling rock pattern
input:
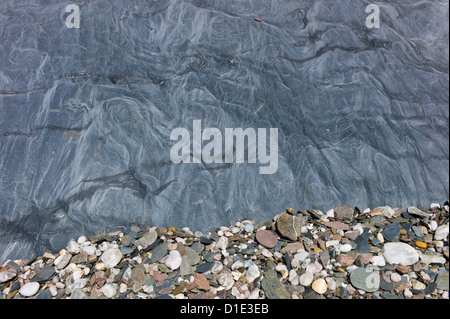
{"type": "Point", "coordinates": [86, 114]}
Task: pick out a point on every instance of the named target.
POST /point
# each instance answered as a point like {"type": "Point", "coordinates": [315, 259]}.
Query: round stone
{"type": "Point", "coordinates": [111, 257]}
{"type": "Point", "coordinates": [363, 278]}
{"type": "Point", "coordinates": [400, 253]}
{"type": "Point", "coordinates": [29, 289]}
{"type": "Point", "coordinates": [306, 279]}
{"type": "Point", "coordinates": [174, 260]}
{"type": "Point", "coordinates": [266, 238]}
{"type": "Point", "coordinates": [320, 286]}
{"type": "Point", "coordinates": [345, 248]}
{"type": "Point", "coordinates": [109, 290]}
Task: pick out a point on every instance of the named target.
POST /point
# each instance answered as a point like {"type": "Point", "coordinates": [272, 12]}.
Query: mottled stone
{"type": "Point", "coordinates": [7, 275]}
{"type": "Point", "coordinates": [289, 226]}
{"type": "Point", "coordinates": [344, 212]}
{"type": "Point", "coordinates": [273, 288]}
{"type": "Point", "coordinates": [320, 286]}
{"type": "Point", "coordinates": [363, 278]}
{"type": "Point", "coordinates": [174, 260]}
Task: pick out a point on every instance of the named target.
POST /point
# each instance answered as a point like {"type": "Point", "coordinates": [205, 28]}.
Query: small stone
{"type": "Point", "coordinates": [320, 286]}
{"type": "Point", "coordinates": [441, 232]}
{"type": "Point", "coordinates": [345, 261]}
{"type": "Point", "coordinates": [391, 231]}
{"type": "Point", "coordinates": [306, 279]}
{"type": "Point", "coordinates": [344, 212]}
{"type": "Point", "coordinates": [201, 282]}
{"type": "Point", "coordinates": [7, 275]}
{"type": "Point", "coordinates": [345, 248]}
{"type": "Point", "coordinates": [62, 261]}
{"type": "Point", "coordinates": [111, 257]}
{"type": "Point", "coordinates": [266, 238]}
{"type": "Point", "coordinates": [109, 290]}
{"type": "Point", "coordinates": [174, 260]}
{"type": "Point", "coordinates": [395, 277]}
{"type": "Point", "coordinates": [378, 261]}
{"type": "Point", "coordinates": [421, 244]}
{"type": "Point", "coordinates": [417, 212]}
{"type": "Point", "coordinates": [400, 253]}
{"type": "Point", "coordinates": [29, 289]}
{"type": "Point", "coordinates": [433, 225]}
{"type": "Point", "coordinates": [252, 273]}
{"type": "Point", "coordinates": [380, 237]}
{"type": "Point", "coordinates": [148, 239]}
{"type": "Point", "coordinates": [352, 235]}
{"type": "Point", "coordinates": [442, 280]}
{"type": "Point", "coordinates": [273, 288]}
{"type": "Point", "coordinates": [337, 225]}
{"type": "Point", "coordinates": [418, 285]}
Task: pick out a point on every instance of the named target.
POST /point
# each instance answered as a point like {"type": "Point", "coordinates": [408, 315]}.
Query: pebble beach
{"type": "Point", "coordinates": [344, 253]}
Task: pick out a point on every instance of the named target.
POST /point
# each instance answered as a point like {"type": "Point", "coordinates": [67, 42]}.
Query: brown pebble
{"type": "Point", "coordinates": [266, 238]}
{"type": "Point", "coordinates": [201, 282]}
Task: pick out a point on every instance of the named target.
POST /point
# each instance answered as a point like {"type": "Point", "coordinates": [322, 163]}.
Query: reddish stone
{"type": "Point", "coordinates": [159, 277]}
{"type": "Point", "coordinates": [201, 282]}
{"type": "Point", "coordinates": [352, 235]}
{"type": "Point", "coordinates": [206, 295]}
{"type": "Point", "coordinates": [345, 261]}
{"type": "Point", "coordinates": [403, 269]}
{"type": "Point", "coordinates": [336, 225]}
{"type": "Point", "coordinates": [365, 258]}
{"type": "Point", "coordinates": [344, 212]}
{"type": "Point", "coordinates": [266, 238]}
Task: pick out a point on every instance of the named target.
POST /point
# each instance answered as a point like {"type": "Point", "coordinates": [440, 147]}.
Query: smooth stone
{"type": "Point", "coordinates": [430, 288]}
{"type": "Point", "coordinates": [266, 238]}
{"type": "Point", "coordinates": [206, 241]}
{"type": "Point", "coordinates": [29, 289]}
{"type": "Point", "coordinates": [45, 274]}
{"type": "Point", "coordinates": [77, 293]}
{"type": "Point", "coordinates": [442, 281]}
{"type": "Point", "coordinates": [363, 278]}
{"type": "Point", "coordinates": [400, 253]}
{"type": "Point", "coordinates": [109, 290]}
{"type": "Point", "coordinates": [320, 286]}
{"type": "Point", "coordinates": [201, 282]}
{"type": "Point", "coordinates": [174, 260]}
{"type": "Point", "coordinates": [441, 232]}
{"type": "Point", "coordinates": [418, 232]}
{"type": "Point", "coordinates": [391, 231]}
{"type": "Point", "coordinates": [148, 239]}
{"type": "Point", "coordinates": [202, 268]}
{"type": "Point", "coordinates": [252, 273]}
{"type": "Point", "coordinates": [388, 286]}
{"type": "Point", "coordinates": [378, 261]}
{"type": "Point", "coordinates": [273, 288]}
{"type": "Point", "coordinates": [345, 248]}
{"type": "Point", "coordinates": [306, 279]}
{"type": "Point", "coordinates": [159, 252]}
{"type": "Point", "coordinates": [417, 212]}
{"type": "Point", "coordinates": [185, 267]}
{"type": "Point", "coordinates": [111, 257]}
{"type": "Point", "coordinates": [127, 250]}
{"type": "Point", "coordinates": [62, 261]}
{"type": "Point", "coordinates": [192, 256]}
{"type": "Point", "coordinates": [432, 258]}
{"type": "Point", "coordinates": [7, 275]}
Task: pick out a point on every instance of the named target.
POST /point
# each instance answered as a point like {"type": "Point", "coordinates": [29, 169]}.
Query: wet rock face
{"type": "Point", "coordinates": [85, 120]}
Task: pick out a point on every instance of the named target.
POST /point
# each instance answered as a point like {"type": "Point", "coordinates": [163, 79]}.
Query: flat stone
{"type": "Point", "coordinates": [417, 212]}
{"type": "Point", "coordinates": [29, 289]}
{"type": "Point", "coordinates": [442, 281]}
{"type": "Point", "coordinates": [45, 274]}
{"type": "Point", "coordinates": [441, 232]}
{"type": "Point", "coordinates": [185, 267]}
{"type": "Point", "coordinates": [344, 212]}
{"type": "Point", "coordinates": [345, 261]}
{"type": "Point", "coordinates": [148, 239]}
{"type": "Point", "coordinates": [159, 252]}
{"type": "Point", "coordinates": [7, 275]}
{"type": "Point", "coordinates": [111, 257]}
{"type": "Point", "coordinates": [252, 273]}
{"type": "Point", "coordinates": [352, 235]}
{"type": "Point", "coordinates": [336, 225]}
{"type": "Point", "coordinates": [201, 282]}
{"type": "Point", "coordinates": [266, 238]}
{"type": "Point", "coordinates": [192, 256]}
{"type": "Point", "coordinates": [391, 231]}
{"type": "Point", "coordinates": [62, 261]}
{"type": "Point", "coordinates": [77, 293]}
{"type": "Point", "coordinates": [273, 288]}
{"type": "Point", "coordinates": [202, 268]}
{"type": "Point", "coordinates": [363, 278]}
{"type": "Point", "coordinates": [80, 258]}
{"type": "Point", "coordinates": [292, 248]}
{"type": "Point", "coordinates": [432, 258]}
{"type": "Point", "coordinates": [400, 253]}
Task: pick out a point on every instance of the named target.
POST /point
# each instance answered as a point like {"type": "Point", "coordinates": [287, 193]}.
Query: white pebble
{"type": "Point", "coordinates": [345, 248]}
{"type": "Point", "coordinates": [29, 289]}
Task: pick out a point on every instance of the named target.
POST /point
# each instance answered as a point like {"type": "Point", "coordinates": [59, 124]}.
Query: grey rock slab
{"type": "Point", "coordinates": [273, 288]}
{"type": "Point", "coordinates": [159, 252]}
{"type": "Point", "coordinates": [417, 212]}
